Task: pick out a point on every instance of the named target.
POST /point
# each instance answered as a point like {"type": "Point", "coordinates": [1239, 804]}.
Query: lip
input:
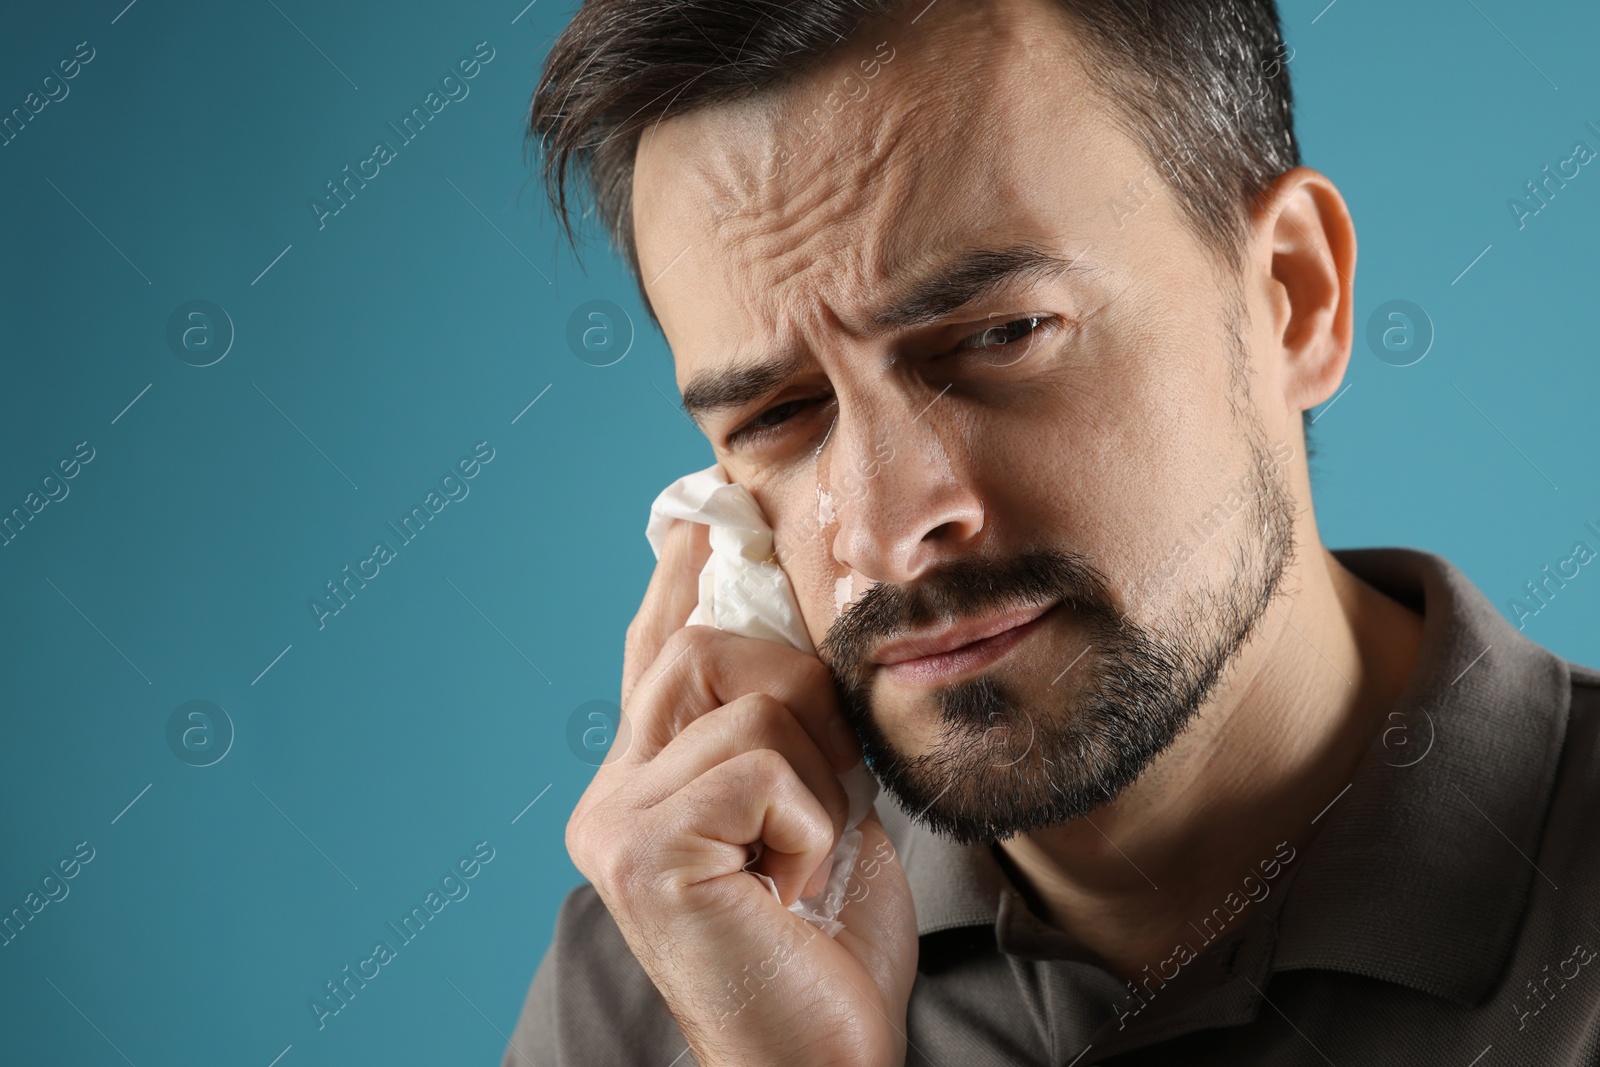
{"type": "Point", "coordinates": [968, 645]}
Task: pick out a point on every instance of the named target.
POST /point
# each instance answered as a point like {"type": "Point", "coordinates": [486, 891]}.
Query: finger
{"type": "Point", "coordinates": [791, 717]}
{"type": "Point", "coordinates": [671, 596]}
{"type": "Point", "coordinates": [702, 668]}
{"type": "Point", "coordinates": [755, 796]}
{"type": "Point", "coordinates": [751, 723]}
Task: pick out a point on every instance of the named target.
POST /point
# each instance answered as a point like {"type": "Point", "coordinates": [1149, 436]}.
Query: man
{"type": "Point", "coordinates": [1009, 313]}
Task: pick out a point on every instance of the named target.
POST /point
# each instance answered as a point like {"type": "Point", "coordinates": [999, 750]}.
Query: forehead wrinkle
{"type": "Point", "coordinates": [822, 210]}
{"type": "Point", "coordinates": [922, 167]}
{"type": "Point", "coordinates": [855, 178]}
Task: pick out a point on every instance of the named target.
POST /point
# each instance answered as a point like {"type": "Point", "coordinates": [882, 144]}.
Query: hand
{"type": "Point", "coordinates": [727, 741]}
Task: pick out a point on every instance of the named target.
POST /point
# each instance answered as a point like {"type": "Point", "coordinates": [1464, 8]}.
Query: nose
{"type": "Point", "coordinates": [904, 502]}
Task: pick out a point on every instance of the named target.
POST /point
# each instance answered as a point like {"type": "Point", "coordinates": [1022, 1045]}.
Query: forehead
{"type": "Point", "coordinates": [975, 126]}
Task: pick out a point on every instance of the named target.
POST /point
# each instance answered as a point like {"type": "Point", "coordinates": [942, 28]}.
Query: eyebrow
{"type": "Point", "coordinates": [966, 279]}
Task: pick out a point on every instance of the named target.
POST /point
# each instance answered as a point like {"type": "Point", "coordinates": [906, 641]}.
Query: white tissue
{"type": "Point", "coordinates": [744, 591]}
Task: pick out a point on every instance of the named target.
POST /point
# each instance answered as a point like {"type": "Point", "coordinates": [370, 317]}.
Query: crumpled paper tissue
{"type": "Point", "coordinates": [744, 591]}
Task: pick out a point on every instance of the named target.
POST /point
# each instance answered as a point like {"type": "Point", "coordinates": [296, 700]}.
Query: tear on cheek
{"type": "Point", "coordinates": [843, 593]}
{"type": "Point", "coordinates": [826, 513]}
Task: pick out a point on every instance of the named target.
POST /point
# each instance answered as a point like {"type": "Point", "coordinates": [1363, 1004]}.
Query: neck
{"type": "Point", "coordinates": [1270, 750]}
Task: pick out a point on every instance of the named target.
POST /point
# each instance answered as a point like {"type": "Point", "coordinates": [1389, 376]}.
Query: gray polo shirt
{"type": "Point", "coordinates": [1446, 912]}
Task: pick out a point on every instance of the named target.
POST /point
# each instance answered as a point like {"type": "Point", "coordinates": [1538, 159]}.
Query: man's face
{"type": "Point", "coordinates": [1082, 458]}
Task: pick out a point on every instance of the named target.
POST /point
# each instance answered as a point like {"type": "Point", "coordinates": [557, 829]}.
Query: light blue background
{"type": "Point", "coordinates": [430, 712]}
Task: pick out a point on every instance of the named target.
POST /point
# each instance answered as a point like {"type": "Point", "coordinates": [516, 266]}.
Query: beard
{"type": "Point", "coordinates": [1002, 768]}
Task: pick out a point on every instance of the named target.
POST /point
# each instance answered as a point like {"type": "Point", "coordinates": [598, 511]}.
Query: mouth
{"type": "Point", "coordinates": [944, 655]}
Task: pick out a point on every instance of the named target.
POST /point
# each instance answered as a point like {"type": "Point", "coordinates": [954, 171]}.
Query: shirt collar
{"type": "Point", "coordinates": [1421, 870]}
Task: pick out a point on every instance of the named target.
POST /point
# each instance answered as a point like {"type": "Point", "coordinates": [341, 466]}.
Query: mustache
{"type": "Point", "coordinates": [959, 589]}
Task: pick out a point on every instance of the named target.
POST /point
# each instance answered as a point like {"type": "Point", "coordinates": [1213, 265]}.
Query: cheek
{"type": "Point", "coordinates": [820, 583]}
{"type": "Point", "coordinates": [803, 515]}
{"type": "Point", "coordinates": [1139, 439]}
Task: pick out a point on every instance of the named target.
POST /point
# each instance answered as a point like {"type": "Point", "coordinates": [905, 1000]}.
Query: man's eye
{"type": "Point", "coordinates": [1006, 343]}
{"type": "Point", "coordinates": [993, 338]}
{"type": "Point", "coordinates": [769, 421]}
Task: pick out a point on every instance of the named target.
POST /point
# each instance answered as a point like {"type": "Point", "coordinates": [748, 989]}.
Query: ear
{"type": "Point", "coordinates": [1306, 240]}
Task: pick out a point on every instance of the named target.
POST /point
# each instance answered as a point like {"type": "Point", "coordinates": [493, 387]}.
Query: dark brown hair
{"type": "Point", "coordinates": [1203, 85]}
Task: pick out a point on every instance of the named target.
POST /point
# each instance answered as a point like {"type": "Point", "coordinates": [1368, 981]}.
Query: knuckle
{"type": "Point", "coordinates": [581, 842]}
{"type": "Point", "coordinates": [768, 765]}
{"type": "Point", "coordinates": [821, 829]}
{"type": "Point", "coordinates": [826, 813]}
{"type": "Point", "coordinates": [573, 839]}
{"type": "Point", "coordinates": [618, 865]}
{"type": "Point", "coordinates": [669, 690]}
{"type": "Point", "coordinates": [688, 642]}
{"type": "Point", "coordinates": [605, 842]}
{"type": "Point", "coordinates": [758, 714]}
